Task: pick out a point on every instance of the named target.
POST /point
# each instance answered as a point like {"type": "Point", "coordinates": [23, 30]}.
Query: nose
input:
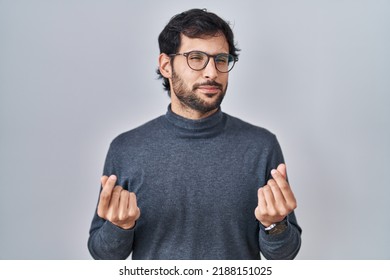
{"type": "Point", "coordinates": [210, 72]}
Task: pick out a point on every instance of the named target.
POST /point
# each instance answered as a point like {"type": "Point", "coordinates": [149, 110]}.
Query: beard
{"type": "Point", "coordinates": [190, 99]}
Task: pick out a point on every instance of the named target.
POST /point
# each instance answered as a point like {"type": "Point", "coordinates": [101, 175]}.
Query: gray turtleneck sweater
{"type": "Point", "coordinates": [196, 183]}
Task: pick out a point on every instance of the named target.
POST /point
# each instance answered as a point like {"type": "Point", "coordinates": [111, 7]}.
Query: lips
{"type": "Point", "coordinates": [209, 88]}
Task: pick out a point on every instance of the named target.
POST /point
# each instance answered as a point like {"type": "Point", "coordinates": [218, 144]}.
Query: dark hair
{"type": "Point", "coordinates": [195, 23]}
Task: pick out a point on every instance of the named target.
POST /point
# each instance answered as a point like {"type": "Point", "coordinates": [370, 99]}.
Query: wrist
{"type": "Point", "coordinates": [125, 226]}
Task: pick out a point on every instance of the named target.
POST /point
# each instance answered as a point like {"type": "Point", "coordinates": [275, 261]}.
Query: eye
{"type": "Point", "coordinates": [222, 59]}
{"type": "Point", "coordinates": [196, 56]}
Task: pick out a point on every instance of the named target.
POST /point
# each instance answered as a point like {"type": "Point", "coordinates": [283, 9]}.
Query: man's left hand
{"type": "Point", "coordinates": [276, 199]}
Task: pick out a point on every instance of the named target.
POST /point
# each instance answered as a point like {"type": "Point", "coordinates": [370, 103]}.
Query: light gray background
{"type": "Point", "coordinates": [74, 74]}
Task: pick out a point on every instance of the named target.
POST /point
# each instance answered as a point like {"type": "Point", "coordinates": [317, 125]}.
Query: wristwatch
{"type": "Point", "coordinates": [276, 228]}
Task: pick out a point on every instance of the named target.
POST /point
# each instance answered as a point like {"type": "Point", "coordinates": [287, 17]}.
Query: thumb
{"type": "Point", "coordinates": [282, 170]}
{"type": "Point", "coordinates": [103, 180]}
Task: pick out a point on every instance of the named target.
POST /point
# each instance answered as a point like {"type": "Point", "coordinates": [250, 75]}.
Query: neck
{"type": "Point", "coordinates": [196, 128]}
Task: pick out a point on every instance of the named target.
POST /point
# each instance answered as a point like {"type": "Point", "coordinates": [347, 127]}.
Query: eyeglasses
{"type": "Point", "coordinates": [198, 60]}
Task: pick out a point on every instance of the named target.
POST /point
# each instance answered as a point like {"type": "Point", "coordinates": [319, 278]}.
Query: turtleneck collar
{"type": "Point", "coordinates": [202, 128]}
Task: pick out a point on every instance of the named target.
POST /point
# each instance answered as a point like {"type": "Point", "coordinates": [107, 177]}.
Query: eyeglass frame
{"type": "Point", "coordinates": [185, 54]}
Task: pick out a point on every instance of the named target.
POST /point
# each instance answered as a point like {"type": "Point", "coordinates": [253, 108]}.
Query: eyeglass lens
{"type": "Point", "coordinates": [198, 61]}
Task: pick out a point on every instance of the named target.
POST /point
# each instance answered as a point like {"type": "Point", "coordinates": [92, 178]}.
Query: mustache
{"type": "Point", "coordinates": [208, 83]}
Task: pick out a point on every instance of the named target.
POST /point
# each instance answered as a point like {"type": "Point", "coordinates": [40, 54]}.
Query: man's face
{"type": "Point", "coordinates": [201, 91]}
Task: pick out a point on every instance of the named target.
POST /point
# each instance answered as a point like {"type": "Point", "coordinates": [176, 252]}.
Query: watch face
{"type": "Point", "coordinates": [278, 228]}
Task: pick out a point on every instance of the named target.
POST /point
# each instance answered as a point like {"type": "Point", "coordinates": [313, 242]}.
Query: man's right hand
{"type": "Point", "coordinates": [117, 205]}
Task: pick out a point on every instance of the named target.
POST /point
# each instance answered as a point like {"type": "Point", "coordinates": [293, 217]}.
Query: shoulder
{"type": "Point", "coordinates": [250, 132]}
{"type": "Point", "coordinates": [257, 139]}
{"type": "Point", "coordinates": [139, 134]}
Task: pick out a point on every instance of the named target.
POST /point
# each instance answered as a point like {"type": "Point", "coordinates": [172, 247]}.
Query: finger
{"type": "Point", "coordinates": [108, 183]}
{"type": "Point", "coordinates": [133, 209]}
{"type": "Point", "coordinates": [269, 199]}
{"type": "Point", "coordinates": [282, 170]}
{"type": "Point", "coordinates": [261, 203]}
{"type": "Point", "coordinates": [103, 180]}
{"type": "Point", "coordinates": [260, 210]}
{"type": "Point", "coordinates": [115, 198]}
{"type": "Point", "coordinates": [281, 181]}
{"type": "Point", "coordinates": [277, 193]}
{"type": "Point", "coordinates": [105, 196]}
{"type": "Point", "coordinates": [123, 205]}
{"type": "Point", "coordinates": [285, 188]}
{"type": "Point", "coordinates": [282, 207]}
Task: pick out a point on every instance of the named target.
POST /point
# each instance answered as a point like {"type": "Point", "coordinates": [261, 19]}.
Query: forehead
{"type": "Point", "coordinates": [209, 44]}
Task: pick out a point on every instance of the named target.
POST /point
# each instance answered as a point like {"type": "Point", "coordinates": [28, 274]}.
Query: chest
{"type": "Point", "coordinates": [196, 181]}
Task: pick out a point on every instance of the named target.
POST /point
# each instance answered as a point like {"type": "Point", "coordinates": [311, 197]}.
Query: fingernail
{"type": "Point", "coordinates": [273, 171]}
{"type": "Point", "coordinates": [113, 177]}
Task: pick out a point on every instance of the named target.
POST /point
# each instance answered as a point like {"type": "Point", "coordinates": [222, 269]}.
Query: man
{"type": "Point", "coordinates": [195, 183]}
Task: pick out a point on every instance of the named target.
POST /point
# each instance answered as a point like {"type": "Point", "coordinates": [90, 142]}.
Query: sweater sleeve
{"type": "Point", "coordinates": [109, 242]}
{"type": "Point", "coordinates": [285, 245]}
{"type": "Point", "coordinates": [106, 240]}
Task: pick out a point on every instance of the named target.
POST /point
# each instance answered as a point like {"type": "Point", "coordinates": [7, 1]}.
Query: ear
{"type": "Point", "coordinates": [165, 67]}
